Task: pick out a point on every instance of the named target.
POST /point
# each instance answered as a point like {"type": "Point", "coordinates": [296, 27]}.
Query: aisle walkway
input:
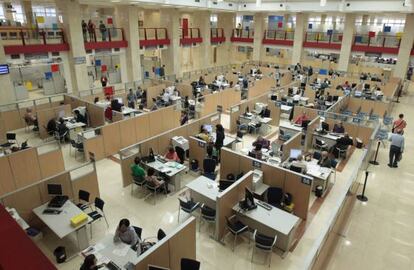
{"type": "Point", "coordinates": [379, 233]}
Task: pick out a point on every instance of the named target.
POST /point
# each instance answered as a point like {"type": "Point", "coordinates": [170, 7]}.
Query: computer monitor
{"type": "Point", "coordinates": [273, 97]}
{"type": "Point", "coordinates": [325, 126]}
{"type": "Point", "coordinates": [120, 101]}
{"type": "Point", "coordinates": [367, 86]}
{"type": "Point", "coordinates": [294, 153]}
{"type": "Point", "coordinates": [155, 267]}
{"type": "Point", "coordinates": [209, 128]}
{"type": "Point", "coordinates": [305, 123]}
{"type": "Point", "coordinates": [54, 189]}
{"type": "Point", "coordinates": [223, 184]}
{"type": "Point", "coordinates": [248, 198]}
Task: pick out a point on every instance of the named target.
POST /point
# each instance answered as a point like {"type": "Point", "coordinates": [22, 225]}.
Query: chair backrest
{"type": "Point", "coordinates": [295, 168]}
{"type": "Point", "coordinates": [138, 179]}
{"type": "Point", "coordinates": [99, 203]}
{"type": "Point", "coordinates": [189, 264]}
{"type": "Point", "coordinates": [318, 142]}
{"type": "Point", "coordinates": [83, 195]}
{"type": "Point", "coordinates": [317, 155]}
{"type": "Point", "coordinates": [138, 231]}
{"type": "Point", "coordinates": [161, 234]}
{"type": "Point", "coordinates": [11, 136]}
{"type": "Point", "coordinates": [207, 211]}
{"type": "Point", "coordinates": [274, 195]}
{"type": "Point", "coordinates": [209, 165]}
{"type": "Point", "coordinates": [180, 153]}
{"type": "Point", "coordinates": [263, 241]}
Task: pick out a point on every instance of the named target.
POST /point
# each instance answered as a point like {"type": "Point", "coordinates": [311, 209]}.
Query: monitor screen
{"type": "Point", "coordinates": [325, 126]}
{"type": "Point", "coordinates": [248, 196]}
{"type": "Point", "coordinates": [209, 128]}
{"type": "Point", "coordinates": [155, 267]}
{"type": "Point", "coordinates": [54, 189]}
{"type": "Point", "coordinates": [294, 153]}
{"type": "Point", "coordinates": [223, 184]}
{"type": "Point", "coordinates": [4, 69]}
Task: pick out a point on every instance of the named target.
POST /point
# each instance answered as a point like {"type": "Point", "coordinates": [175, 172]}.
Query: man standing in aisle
{"type": "Point", "coordinates": [396, 148]}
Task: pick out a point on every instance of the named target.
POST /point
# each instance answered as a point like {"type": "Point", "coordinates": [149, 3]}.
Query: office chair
{"type": "Point", "coordinates": [138, 231]}
{"type": "Point", "coordinates": [264, 243]}
{"type": "Point", "coordinates": [334, 165]}
{"type": "Point", "coordinates": [154, 190]}
{"type": "Point", "coordinates": [275, 196]}
{"type": "Point", "coordinates": [160, 234]}
{"type": "Point", "coordinates": [84, 203]}
{"type": "Point", "coordinates": [295, 169]}
{"type": "Point", "coordinates": [187, 206]}
{"type": "Point", "coordinates": [78, 146]}
{"type": "Point", "coordinates": [180, 153]}
{"type": "Point", "coordinates": [266, 113]}
{"type": "Point", "coordinates": [209, 168]}
{"type": "Point", "coordinates": [207, 215]}
{"type": "Point", "coordinates": [236, 228]}
{"type": "Point", "coordinates": [11, 139]}
{"type": "Point", "coordinates": [138, 181]}
{"type": "Point", "coordinates": [98, 213]}
{"type": "Point", "coordinates": [61, 136]}
{"type": "Point", "coordinates": [320, 145]}
{"type": "Point", "coordinates": [189, 264]}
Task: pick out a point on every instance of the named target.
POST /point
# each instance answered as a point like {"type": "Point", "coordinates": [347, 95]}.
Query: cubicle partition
{"type": "Point", "coordinates": [295, 142]}
{"type": "Point", "coordinates": [310, 113]}
{"type": "Point", "coordinates": [3, 131]}
{"type": "Point", "coordinates": [225, 99]}
{"type": "Point", "coordinates": [379, 108]}
{"type": "Point", "coordinates": [153, 92]}
{"type": "Point", "coordinates": [168, 252]}
{"type": "Point", "coordinates": [294, 183]}
{"type": "Point", "coordinates": [160, 144]}
{"type": "Point", "coordinates": [313, 124]}
{"type": "Point", "coordinates": [27, 197]}
{"type": "Point", "coordinates": [95, 113]}
{"type": "Point", "coordinates": [25, 167]}
{"type": "Point", "coordinates": [261, 86]}
{"type": "Point", "coordinates": [45, 115]}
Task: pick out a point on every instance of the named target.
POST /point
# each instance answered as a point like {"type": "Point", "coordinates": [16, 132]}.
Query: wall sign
{"type": "Point", "coordinates": [79, 60]}
{"type": "Point", "coordinates": [306, 181]}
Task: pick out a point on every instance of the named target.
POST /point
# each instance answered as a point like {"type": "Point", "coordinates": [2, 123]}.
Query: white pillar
{"type": "Point", "coordinates": [71, 11]}
{"type": "Point", "coordinates": [27, 8]}
{"type": "Point", "coordinates": [7, 94]}
{"type": "Point", "coordinates": [225, 21]}
{"type": "Point", "coordinates": [299, 37]}
{"type": "Point", "coordinates": [406, 45]}
{"type": "Point", "coordinates": [347, 40]}
{"type": "Point", "coordinates": [202, 21]}
{"type": "Point", "coordinates": [127, 18]}
{"type": "Point", "coordinates": [258, 35]}
{"type": "Point", "coordinates": [67, 70]}
{"type": "Point", "coordinates": [8, 15]}
{"type": "Point", "coordinates": [170, 57]}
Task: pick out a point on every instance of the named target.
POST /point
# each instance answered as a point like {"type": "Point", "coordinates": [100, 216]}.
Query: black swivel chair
{"type": "Point", "coordinates": [275, 196]}
{"type": "Point", "coordinates": [209, 166]}
{"type": "Point", "coordinates": [317, 155]}
{"type": "Point", "coordinates": [83, 196]}
{"type": "Point", "coordinates": [138, 181]}
{"type": "Point", "coordinates": [180, 153]}
{"type": "Point", "coordinates": [78, 146]}
{"type": "Point", "coordinates": [207, 215]}
{"type": "Point", "coordinates": [161, 234]}
{"type": "Point", "coordinates": [264, 243]}
{"type": "Point", "coordinates": [98, 213]}
{"type": "Point", "coordinates": [236, 228]}
{"type": "Point", "coordinates": [189, 264]}
{"type": "Point", "coordinates": [187, 206]}
{"type": "Point", "coordinates": [295, 169]}
{"type": "Point", "coordinates": [138, 231]}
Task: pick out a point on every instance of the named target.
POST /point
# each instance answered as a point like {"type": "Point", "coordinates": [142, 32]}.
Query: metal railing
{"type": "Point", "coordinates": [190, 33]}
{"type": "Point", "coordinates": [153, 33]}
{"type": "Point", "coordinates": [242, 34]}
{"type": "Point", "coordinates": [217, 33]}
{"type": "Point", "coordinates": [29, 36]}
{"type": "Point", "coordinates": [279, 35]}
{"type": "Point", "coordinates": [111, 34]}
{"type": "Point", "coordinates": [323, 37]}
{"type": "Point", "coordinates": [385, 41]}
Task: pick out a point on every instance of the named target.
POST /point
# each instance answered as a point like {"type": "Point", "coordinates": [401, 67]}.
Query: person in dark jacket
{"type": "Point", "coordinates": [219, 139]}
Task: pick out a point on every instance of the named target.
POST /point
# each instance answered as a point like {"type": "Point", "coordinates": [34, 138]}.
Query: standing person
{"type": "Point", "coordinates": [132, 98]}
{"type": "Point", "coordinates": [162, 72]}
{"type": "Point", "coordinates": [84, 30]}
{"type": "Point", "coordinates": [409, 73]}
{"type": "Point", "coordinates": [219, 139]}
{"type": "Point", "coordinates": [239, 30]}
{"type": "Point", "coordinates": [396, 148]}
{"type": "Point", "coordinates": [104, 80]}
{"type": "Point", "coordinates": [399, 124]}
{"type": "Point", "coordinates": [91, 30]}
{"type": "Point", "coordinates": [102, 29]}
{"type": "Point", "coordinates": [184, 118]}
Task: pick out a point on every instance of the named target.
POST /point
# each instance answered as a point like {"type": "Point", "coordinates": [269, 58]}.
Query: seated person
{"type": "Point", "coordinates": [264, 142]}
{"type": "Point", "coordinates": [171, 155]}
{"type": "Point", "coordinates": [325, 161]}
{"type": "Point", "coordinates": [116, 106]}
{"type": "Point", "coordinates": [136, 168]}
{"type": "Point", "coordinates": [96, 100]}
{"type": "Point", "coordinates": [62, 128]}
{"type": "Point", "coordinates": [204, 135]}
{"type": "Point", "coordinates": [166, 97]}
{"type": "Point", "coordinates": [257, 151]}
{"type": "Point", "coordinates": [30, 118]}
{"type": "Point", "coordinates": [79, 117]}
{"type": "Point", "coordinates": [201, 81]}
{"type": "Point", "coordinates": [301, 118]}
{"type": "Point", "coordinates": [152, 179]}
{"type": "Point", "coordinates": [126, 233]}
{"type": "Point", "coordinates": [338, 128]}
{"type": "Point", "coordinates": [342, 143]}
{"type": "Point", "coordinates": [90, 263]}
{"type": "Point", "coordinates": [184, 118]}
{"type": "Point", "coordinates": [51, 126]}
{"type": "Point", "coordinates": [300, 163]}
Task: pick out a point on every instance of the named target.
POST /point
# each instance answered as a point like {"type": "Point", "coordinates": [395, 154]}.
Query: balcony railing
{"type": "Point", "coordinates": [26, 40]}
{"type": "Point", "coordinates": [217, 35]}
{"type": "Point", "coordinates": [242, 35]}
{"type": "Point", "coordinates": [323, 40]}
{"type": "Point", "coordinates": [111, 38]}
{"type": "Point", "coordinates": [190, 36]}
{"type": "Point", "coordinates": [152, 37]}
{"type": "Point", "coordinates": [278, 37]}
{"type": "Point", "coordinates": [379, 43]}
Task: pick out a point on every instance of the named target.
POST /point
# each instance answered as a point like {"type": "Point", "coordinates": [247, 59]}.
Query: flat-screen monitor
{"type": "Point", "coordinates": [120, 101]}
{"type": "Point", "coordinates": [294, 153]}
{"type": "Point", "coordinates": [209, 128]}
{"type": "Point", "coordinates": [54, 189]}
{"type": "Point", "coordinates": [325, 126]}
{"type": "Point", "coordinates": [154, 267]}
{"type": "Point", "coordinates": [4, 69]}
{"type": "Point", "coordinates": [249, 198]}
{"type": "Point", "coordinates": [223, 184]}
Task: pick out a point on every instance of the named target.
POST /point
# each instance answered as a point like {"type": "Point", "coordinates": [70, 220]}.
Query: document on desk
{"type": "Point", "coordinates": [121, 252]}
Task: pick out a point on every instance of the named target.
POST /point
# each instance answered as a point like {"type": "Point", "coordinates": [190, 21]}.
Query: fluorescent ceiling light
{"type": "Point", "coordinates": [258, 3]}
{"type": "Point", "coordinates": [323, 3]}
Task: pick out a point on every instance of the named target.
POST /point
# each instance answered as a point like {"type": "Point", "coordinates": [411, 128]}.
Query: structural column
{"type": "Point", "coordinates": [347, 41]}
{"type": "Point", "coordinates": [77, 54]}
{"type": "Point", "coordinates": [28, 12]}
{"type": "Point", "coordinates": [225, 21]}
{"type": "Point", "coordinates": [7, 94]}
{"type": "Point", "coordinates": [406, 45]}
{"type": "Point", "coordinates": [259, 28]}
{"type": "Point", "coordinates": [170, 57]}
{"type": "Point", "coordinates": [202, 21]}
{"type": "Point", "coordinates": [299, 37]}
{"type": "Point", "coordinates": [127, 18]}
{"type": "Point", "coordinates": [7, 15]}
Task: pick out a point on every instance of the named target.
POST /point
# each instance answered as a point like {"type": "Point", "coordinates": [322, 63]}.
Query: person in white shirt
{"type": "Point", "coordinates": [166, 97]}
{"type": "Point", "coordinates": [300, 163]}
{"type": "Point", "coordinates": [126, 233]}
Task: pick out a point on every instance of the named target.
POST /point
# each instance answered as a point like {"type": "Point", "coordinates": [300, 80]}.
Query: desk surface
{"type": "Point", "coordinates": [171, 167]}
{"type": "Point", "coordinates": [106, 250]}
{"type": "Point", "coordinates": [71, 125]}
{"type": "Point", "coordinates": [228, 140]}
{"type": "Point", "coordinates": [205, 187]}
{"type": "Point", "coordinates": [127, 110]}
{"type": "Point", "coordinates": [288, 125]}
{"type": "Point", "coordinates": [313, 169]}
{"type": "Point", "coordinates": [60, 224]}
{"type": "Point", "coordinates": [275, 219]}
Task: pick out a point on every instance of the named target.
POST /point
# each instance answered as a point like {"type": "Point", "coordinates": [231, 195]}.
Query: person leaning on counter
{"type": "Point", "coordinates": [126, 233]}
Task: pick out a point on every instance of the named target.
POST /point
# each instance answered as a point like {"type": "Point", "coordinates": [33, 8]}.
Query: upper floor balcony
{"type": "Point", "coordinates": [323, 40]}
{"type": "Point", "coordinates": [153, 37]}
{"type": "Point", "coordinates": [19, 40]}
{"type": "Point", "coordinates": [109, 39]}
{"type": "Point", "coordinates": [278, 37]}
{"type": "Point", "coordinates": [376, 43]}
{"type": "Point", "coordinates": [190, 36]}
{"type": "Point", "coordinates": [217, 35]}
{"type": "Point", "coordinates": [242, 35]}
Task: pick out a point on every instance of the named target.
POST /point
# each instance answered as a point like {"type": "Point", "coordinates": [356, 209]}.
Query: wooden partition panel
{"type": "Point", "coordinates": [354, 104]}
{"type": "Point", "coordinates": [88, 182]}
{"type": "Point", "coordinates": [147, 145]}
{"type": "Point", "coordinates": [45, 115]}
{"type": "Point", "coordinates": [117, 116]}
{"type": "Point", "coordinates": [3, 130]}
{"type": "Point", "coordinates": [365, 133]}
{"type": "Point", "coordinates": [142, 125]}
{"type": "Point", "coordinates": [210, 103]}
{"type": "Point", "coordinates": [126, 170]}
{"type": "Point", "coordinates": [7, 182]}
{"type": "Point", "coordinates": [127, 131]}
{"type": "Point", "coordinates": [274, 113]}
{"type": "Point", "coordinates": [61, 179]}
{"type": "Point", "coordinates": [234, 116]}
{"type": "Point", "coordinates": [155, 122]}
{"type": "Point", "coordinates": [292, 143]}
{"type": "Point", "coordinates": [13, 120]}
{"type": "Point", "coordinates": [96, 115]}
{"type": "Point", "coordinates": [381, 108]}
{"type": "Point", "coordinates": [170, 118]}
{"type": "Point", "coordinates": [94, 145]}
{"type": "Point", "coordinates": [367, 105]}
{"type": "Point", "coordinates": [273, 176]}
{"type": "Point", "coordinates": [153, 92]}
{"type": "Point", "coordinates": [197, 150]}
{"type": "Point", "coordinates": [111, 139]}
{"type": "Point", "coordinates": [185, 89]}
{"type": "Point", "coordinates": [300, 193]}
{"type": "Point", "coordinates": [183, 245]}
{"type": "Point", "coordinates": [51, 163]}
{"type": "Point", "coordinates": [229, 163]}
{"type": "Point", "coordinates": [25, 167]}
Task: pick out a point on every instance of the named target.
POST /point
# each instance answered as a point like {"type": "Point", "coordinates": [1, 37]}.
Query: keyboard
{"type": "Point", "coordinates": [266, 206]}
{"type": "Point", "coordinates": [49, 211]}
{"type": "Point", "coordinates": [162, 160]}
{"type": "Point", "coordinates": [58, 201]}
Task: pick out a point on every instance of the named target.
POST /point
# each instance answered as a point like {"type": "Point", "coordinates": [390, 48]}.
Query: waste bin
{"type": "Point", "coordinates": [318, 191]}
{"type": "Point", "coordinates": [60, 254]}
{"type": "Point", "coordinates": [194, 165]}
